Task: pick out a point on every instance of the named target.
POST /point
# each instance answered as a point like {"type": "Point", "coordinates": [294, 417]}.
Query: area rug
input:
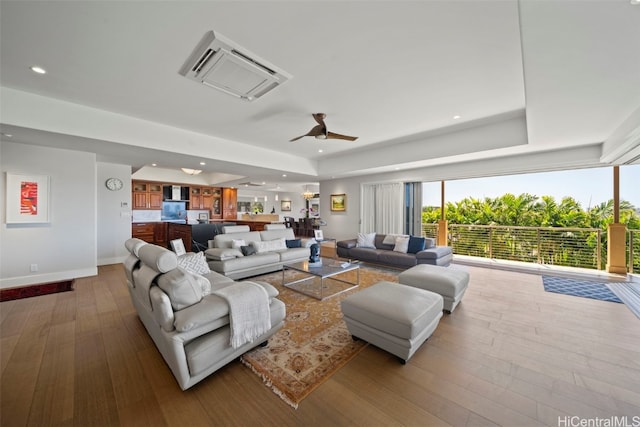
{"type": "Point", "coordinates": [314, 341]}
{"type": "Point", "coordinates": [579, 288]}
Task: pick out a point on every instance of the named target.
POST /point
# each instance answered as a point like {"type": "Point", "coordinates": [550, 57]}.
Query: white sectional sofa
{"type": "Point", "coordinates": [188, 322]}
{"type": "Point", "coordinates": [240, 253]}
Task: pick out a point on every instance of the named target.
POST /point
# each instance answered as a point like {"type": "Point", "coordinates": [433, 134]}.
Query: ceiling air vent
{"type": "Point", "coordinates": [218, 63]}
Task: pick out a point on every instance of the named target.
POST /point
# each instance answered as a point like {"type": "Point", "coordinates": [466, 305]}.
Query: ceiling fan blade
{"type": "Point", "coordinates": [315, 131]}
{"type": "Point", "coordinates": [319, 117]}
{"type": "Point", "coordinates": [331, 135]}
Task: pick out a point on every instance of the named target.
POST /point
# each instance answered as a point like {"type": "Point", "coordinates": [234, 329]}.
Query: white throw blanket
{"type": "Point", "coordinates": [249, 315]}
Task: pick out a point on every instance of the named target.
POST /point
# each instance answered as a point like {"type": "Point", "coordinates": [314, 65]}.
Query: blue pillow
{"type": "Point", "coordinates": [296, 243]}
{"type": "Point", "coordinates": [416, 244]}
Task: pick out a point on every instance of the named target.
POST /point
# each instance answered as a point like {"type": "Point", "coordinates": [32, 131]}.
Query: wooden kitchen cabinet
{"type": "Point", "coordinates": [146, 195]}
{"type": "Point", "coordinates": [230, 203]}
{"type": "Point", "coordinates": [206, 198]}
{"type": "Point", "coordinates": [150, 232]}
{"type": "Point", "coordinates": [180, 231]}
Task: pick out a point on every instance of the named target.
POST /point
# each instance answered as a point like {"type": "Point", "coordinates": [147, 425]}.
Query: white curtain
{"type": "Point", "coordinates": [382, 208]}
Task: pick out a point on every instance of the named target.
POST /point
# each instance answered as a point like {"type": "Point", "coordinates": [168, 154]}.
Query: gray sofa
{"type": "Point", "coordinates": [270, 246]}
{"type": "Point", "coordinates": [384, 253]}
{"type": "Point", "coordinates": [188, 322]}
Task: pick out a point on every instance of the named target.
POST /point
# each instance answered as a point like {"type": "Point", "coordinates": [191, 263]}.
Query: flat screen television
{"type": "Point", "coordinates": [174, 211]}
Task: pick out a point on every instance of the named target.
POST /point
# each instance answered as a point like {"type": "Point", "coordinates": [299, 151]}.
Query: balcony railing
{"type": "Point", "coordinates": [569, 247]}
{"type": "Point", "coordinates": [633, 250]}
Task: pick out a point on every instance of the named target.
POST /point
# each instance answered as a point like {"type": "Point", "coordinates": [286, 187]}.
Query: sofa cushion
{"type": "Point", "coordinates": [402, 244]}
{"type": "Point", "coordinates": [366, 240]}
{"type": "Point", "coordinates": [397, 259]}
{"type": "Point", "coordinates": [294, 254]}
{"type": "Point", "coordinates": [194, 262]}
{"type": "Point", "coordinates": [221, 254]}
{"type": "Point", "coordinates": [416, 244]}
{"type": "Point", "coordinates": [365, 254]}
{"type": "Point", "coordinates": [284, 233]}
{"type": "Point", "coordinates": [380, 244]}
{"type": "Point", "coordinates": [181, 287]}
{"type": "Point", "coordinates": [158, 258]}
{"type": "Point", "coordinates": [226, 240]}
{"type": "Point", "coordinates": [134, 244]}
{"type": "Point", "coordinates": [295, 243]}
{"type": "Point", "coordinates": [245, 262]}
{"type": "Point", "coordinates": [435, 252]}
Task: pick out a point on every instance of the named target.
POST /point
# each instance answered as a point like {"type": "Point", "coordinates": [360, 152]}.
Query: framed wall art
{"type": "Point", "coordinates": [27, 199]}
{"type": "Point", "coordinates": [285, 205]}
{"type": "Point", "coordinates": [338, 202]}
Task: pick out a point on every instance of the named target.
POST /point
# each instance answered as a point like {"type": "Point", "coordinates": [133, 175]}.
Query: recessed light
{"type": "Point", "coordinates": [284, 175]}
{"type": "Point", "coordinates": [202, 163]}
{"type": "Point", "coordinates": [8, 135]}
{"type": "Point", "coordinates": [456, 117]}
{"type": "Point", "coordinates": [39, 70]}
{"type": "Point", "coordinates": [634, 2]}
{"type": "Point", "coordinates": [320, 150]}
{"type": "Point", "coordinates": [154, 164]}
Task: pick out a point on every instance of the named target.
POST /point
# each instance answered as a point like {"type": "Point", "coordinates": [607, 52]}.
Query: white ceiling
{"type": "Point", "coordinates": [394, 73]}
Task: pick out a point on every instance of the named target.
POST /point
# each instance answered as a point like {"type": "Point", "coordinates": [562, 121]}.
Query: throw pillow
{"type": "Point", "coordinates": [237, 244]}
{"type": "Point", "coordinates": [366, 240]}
{"type": "Point", "coordinates": [429, 242]}
{"type": "Point", "coordinates": [416, 244]}
{"type": "Point", "coordinates": [181, 287]}
{"type": "Point", "coordinates": [390, 239]}
{"type": "Point", "coordinates": [269, 245]}
{"type": "Point", "coordinates": [248, 250]}
{"type": "Point", "coordinates": [295, 243]}
{"type": "Point", "coordinates": [402, 244]}
{"type": "Point", "coordinates": [204, 283]}
{"type": "Point", "coordinates": [194, 263]}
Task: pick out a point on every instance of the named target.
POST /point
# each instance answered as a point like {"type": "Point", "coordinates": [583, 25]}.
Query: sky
{"type": "Point", "coordinates": [589, 187]}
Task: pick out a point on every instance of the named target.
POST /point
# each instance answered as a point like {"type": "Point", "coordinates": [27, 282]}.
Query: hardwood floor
{"type": "Point", "coordinates": [511, 354]}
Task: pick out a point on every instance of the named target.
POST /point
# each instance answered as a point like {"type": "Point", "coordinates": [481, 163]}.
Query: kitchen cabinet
{"type": "Point", "coordinates": [146, 195]}
{"type": "Point", "coordinates": [150, 232]}
{"type": "Point", "coordinates": [230, 203]}
{"type": "Point", "coordinates": [206, 198]}
{"type": "Point", "coordinates": [180, 231]}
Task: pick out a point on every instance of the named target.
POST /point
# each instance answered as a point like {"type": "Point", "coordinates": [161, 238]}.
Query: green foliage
{"type": "Point", "coordinates": [532, 211]}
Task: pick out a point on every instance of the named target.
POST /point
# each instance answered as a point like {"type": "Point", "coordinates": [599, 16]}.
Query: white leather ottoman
{"type": "Point", "coordinates": [393, 317]}
{"type": "Point", "coordinates": [446, 281]}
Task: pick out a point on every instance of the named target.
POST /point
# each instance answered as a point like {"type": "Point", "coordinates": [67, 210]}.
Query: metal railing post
{"type": "Point", "coordinates": [539, 245]}
{"type": "Point", "coordinates": [599, 251]}
{"type": "Point", "coordinates": [630, 268]}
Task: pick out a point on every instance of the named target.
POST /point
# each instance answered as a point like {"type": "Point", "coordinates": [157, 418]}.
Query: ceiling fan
{"type": "Point", "coordinates": [320, 130]}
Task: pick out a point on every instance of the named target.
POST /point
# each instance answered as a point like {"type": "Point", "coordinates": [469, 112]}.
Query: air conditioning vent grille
{"type": "Point", "coordinates": [218, 63]}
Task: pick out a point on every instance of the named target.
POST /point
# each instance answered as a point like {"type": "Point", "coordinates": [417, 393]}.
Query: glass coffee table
{"type": "Point", "coordinates": [323, 281]}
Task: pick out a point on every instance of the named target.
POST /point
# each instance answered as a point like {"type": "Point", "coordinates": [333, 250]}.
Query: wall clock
{"type": "Point", "coordinates": [114, 184]}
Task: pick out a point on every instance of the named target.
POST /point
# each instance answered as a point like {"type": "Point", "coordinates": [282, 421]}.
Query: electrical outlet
{"type": "Point", "coordinates": [34, 268]}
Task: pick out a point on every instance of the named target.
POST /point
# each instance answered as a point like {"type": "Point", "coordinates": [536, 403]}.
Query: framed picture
{"type": "Point", "coordinates": [338, 202]}
{"type": "Point", "coordinates": [285, 205]}
{"type": "Point", "coordinates": [203, 216]}
{"type": "Point", "coordinates": [317, 234]}
{"type": "Point", "coordinates": [178, 247]}
{"type": "Point", "coordinates": [27, 199]}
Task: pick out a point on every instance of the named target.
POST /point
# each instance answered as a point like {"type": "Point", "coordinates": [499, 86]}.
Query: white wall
{"type": "Point", "coordinates": [64, 248]}
{"type": "Point", "coordinates": [114, 213]}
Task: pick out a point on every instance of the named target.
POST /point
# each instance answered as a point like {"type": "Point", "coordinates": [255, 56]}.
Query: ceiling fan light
{"type": "Point", "coordinates": [191, 171]}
